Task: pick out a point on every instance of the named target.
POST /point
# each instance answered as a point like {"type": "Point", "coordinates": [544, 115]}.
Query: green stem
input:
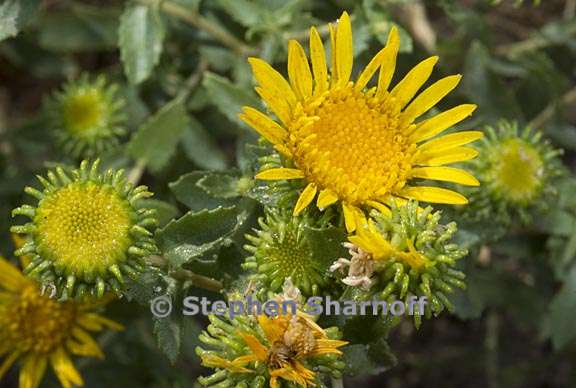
{"type": "Point", "coordinates": [136, 172]}
{"type": "Point", "coordinates": [198, 280]}
{"type": "Point", "coordinates": [195, 19]}
{"type": "Point", "coordinates": [568, 98]}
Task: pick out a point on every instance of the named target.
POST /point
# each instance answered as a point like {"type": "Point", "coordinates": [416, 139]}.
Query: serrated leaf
{"type": "Point", "coordinates": [227, 97]}
{"type": "Point", "coordinates": [168, 336]}
{"type": "Point", "coordinates": [141, 36]}
{"type": "Point", "coordinates": [156, 140]}
{"type": "Point", "coordinates": [223, 185]}
{"type": "Point", "coordinates": [187, 191]}
{"type": "Point", "coordinates": [14, 14]}
{"type": "Point", "coordinates": [201, 148]}
{"type": "Point", "coordinates": [194, 234]}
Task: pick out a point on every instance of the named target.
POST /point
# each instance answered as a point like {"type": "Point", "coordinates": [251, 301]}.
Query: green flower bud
{"type": "Point", "coordinates": [407, 253]}
{"type": "Point", "coordinates": [86, 117]}
{"type": "Point", "coordinates": [87, 232]}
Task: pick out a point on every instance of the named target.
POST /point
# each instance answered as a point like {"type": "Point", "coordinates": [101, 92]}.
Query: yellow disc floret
{"type": "Point", "coordinates": [84, 227]}
{"type": "Point", "coordinates": [358, 145]}
{"type": "Point", "coordinates": [40, 331]}
{"type": "Point", "coordinates": [87, 231]}
{"type": "Point", "coordinates": [84, 111]}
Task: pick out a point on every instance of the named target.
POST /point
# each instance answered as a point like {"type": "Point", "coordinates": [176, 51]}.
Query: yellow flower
{"type": "Point", "coordinates": [288, 341]}
{"type": "Point", "coordinates": [354, 144]}
{"type": "Point", "coordinates": [39, 331]}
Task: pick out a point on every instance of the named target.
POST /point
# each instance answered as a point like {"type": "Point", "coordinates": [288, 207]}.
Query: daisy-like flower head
{"type": "Point", "coordinates": [407, 253]}
{"type": "Point", "coordinates": [86, 116]}
{"type": "Point", "coordinates": [516, 168]}
{"type": "Point", "coordinates": [255, 350]}
{"type": "Point", "coordinates": [39, 331]}
{"type": "Point", "coordinates": [281, 249]}
{"type": "Point", "coordinates": [87, 232]}
{"type": "Point", "coordinates": [357, 145]}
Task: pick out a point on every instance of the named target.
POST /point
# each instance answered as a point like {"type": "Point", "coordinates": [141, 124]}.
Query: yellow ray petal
{"type": "Point", "coordinates": [318, 59]}
{"type": "Point", "coordinates": [380, 207]}
{"type": "Point", "coordinates": [386, 58]}
{"type": "Point", "coordinates": [344, 49]}
{"type": "Point", "coordinates": [333, 72]}
{"type": "Point", "coordinates": [440, 158]}
{"type": "Point", "coordinates": [450, 141]}
{"type": "Point", "coordinates": [279, 106]}
{"type": "Point", "coordinates": [430, 97]}
{"type": "Point", "coordinates": [7, 363]}
{"type": "Point", "coordinates": [32, 371]}
{"type": "Point", "coordinates": [389, 61]}
{"type": "Point", "coordinates": [413, 81]}
{"type": "Point", "coordinates": [280, 173]}
{"type": "Point", "coordinates": [11, 278]}
{"type": "Point", "coordinates": [259, 351]}
{"type": "Point", "coordinates": [446, 174]}
{"type": "Point", "coordinates": [272, 80]}
{"type": "Point", "coordinates": [434, 195]}
{"type": "Point", "coordinates": [326, 198]}
{"type": "Point", "coordinates": [266, 127]}
{"type": "Point", "coordinates": [65, 369]}
{"type": "Point", "coordinates": [353, 217]}
{"type": "Point", "coordinates": [442, 121]}
{"type": "Point", "coordinates": [305, 198]}
{"type": "Point", "coordinates": [299, 70]}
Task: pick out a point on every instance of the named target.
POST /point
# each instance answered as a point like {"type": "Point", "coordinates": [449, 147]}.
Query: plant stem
{"type": "Point", "coordinates": [568, 98]}
{"type": "Point", "coordinates": [513, 50]}
{"type": "Point", "coordinates": [198, 280]}
{"type": "Point", "coordinates": [136, 172]}
{"type": "Point", "coordinates": [195, 19]}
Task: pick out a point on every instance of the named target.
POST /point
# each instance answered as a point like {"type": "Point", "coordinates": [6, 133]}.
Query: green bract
{"type": "Point", "coordinates": [516, 168]}
{"type": "Point", "coordinates": [86, 116]}
{"type": "Point", "coordinates": [87, 232]}
{"type": "Point", "coordinates": [407, 253]}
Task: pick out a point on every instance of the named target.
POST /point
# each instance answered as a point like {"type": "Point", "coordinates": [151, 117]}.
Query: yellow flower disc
{"type": "Point", "coordinates": [84, 111]}
{"type": "Point", "coordinates": [360, 145]}
{"type": "Point", "coordinates": [84, 228]}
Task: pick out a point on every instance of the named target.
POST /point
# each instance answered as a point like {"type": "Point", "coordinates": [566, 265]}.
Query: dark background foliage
{"type": "Point", "coordinates": [182, 67]}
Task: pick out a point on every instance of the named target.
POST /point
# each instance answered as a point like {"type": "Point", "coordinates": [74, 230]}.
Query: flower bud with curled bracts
{"type": "Point", "coordinates": [516, 168]}
{"type": "Point", "coordinates": [404, 254]}
{"type": "Point", "coordinates": [276, 351]}
{"type": "Point", "coordinates": [281, 248]}
{"type": "Point", "coordinates": [87, 231]}
{"type": "Point", "coordinates": [86, 116]}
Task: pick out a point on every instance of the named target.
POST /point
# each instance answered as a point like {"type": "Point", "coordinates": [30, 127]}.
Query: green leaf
{"type": "Point", "coordinates": [141, 34]}
{"type": "Point", "coordinates": [562, 313]}
{"type": "Point", "coordinates": [165, 211]}
{"type": "Point", "coordinates": [196, 233]}
{"type": "Point", "coordinates": [80, 29]}
{"type": "Point", "coordinates": [200, 148]}
{"type": "Point", "coordinates": [326, 244]}
{"type": "Point", "coordinates": [227, 97]}
{"type": "Point", "coordinates": [220, 185]}
{"type": "Point", "coordinates": [168, 335]}
{"type": "Point", "coordinates": [187, 191]}
{"type": "Point", "coordinates": [14, 14]}
{"type": "Point", "coordinates": [156, 140]}
{"type": "Point", "coordinates": [244, 12]}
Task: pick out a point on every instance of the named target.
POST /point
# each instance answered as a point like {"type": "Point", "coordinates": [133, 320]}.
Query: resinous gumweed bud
{"type": "Point", "coordinates": [516, 168]}
{"type": "Point", "coordinates": [407, 253]}
{"type": "Point", "coordinates": [87, 231]}
{"type": "Point", "coordinates": [281, 249]}
{"type": "Point", "coordinates": [86, 117]}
